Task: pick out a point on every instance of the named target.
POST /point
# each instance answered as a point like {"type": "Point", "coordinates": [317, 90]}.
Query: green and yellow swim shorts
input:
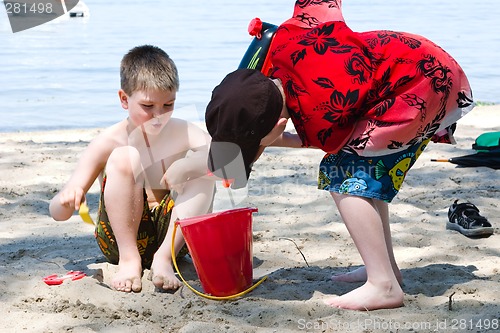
{"type": "Point", "coordinates": [152, 229]}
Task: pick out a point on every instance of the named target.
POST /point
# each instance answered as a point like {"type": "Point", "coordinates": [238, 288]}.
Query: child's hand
{"type": "Point", "coordinates": [72, 197]}
{"type": "Point", "coordinates": [191, 167]}
{"type": "Point", "coordinates": [175, 176]}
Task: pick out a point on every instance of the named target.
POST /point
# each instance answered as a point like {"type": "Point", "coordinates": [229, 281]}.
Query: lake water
{"type": "Point", "coordinates": [65, 73]}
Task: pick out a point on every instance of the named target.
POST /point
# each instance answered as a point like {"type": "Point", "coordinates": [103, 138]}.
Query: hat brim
{"type": "Point", "coordinates": [232, 161]}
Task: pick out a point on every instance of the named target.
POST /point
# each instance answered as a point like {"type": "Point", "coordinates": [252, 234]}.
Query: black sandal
{"type": "Point", "coordinates": [465, 218]}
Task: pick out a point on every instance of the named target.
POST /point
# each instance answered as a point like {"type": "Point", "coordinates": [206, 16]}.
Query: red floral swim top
{"type": "Point", "coordinates": [368, 92]}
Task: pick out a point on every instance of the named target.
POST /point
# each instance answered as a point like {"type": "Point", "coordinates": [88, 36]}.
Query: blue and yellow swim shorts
{"type": "Point", "coordinates": [378, 177]}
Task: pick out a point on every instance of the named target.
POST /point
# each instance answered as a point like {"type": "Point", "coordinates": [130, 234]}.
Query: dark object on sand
{"type": "Point", "coordinates": [489, 159]}
{"type": "Point", "coordinates": [465, 218]}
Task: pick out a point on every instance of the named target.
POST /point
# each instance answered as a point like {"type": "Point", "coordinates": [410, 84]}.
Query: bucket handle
{"type": "Point", "coordinates": [218, 298]}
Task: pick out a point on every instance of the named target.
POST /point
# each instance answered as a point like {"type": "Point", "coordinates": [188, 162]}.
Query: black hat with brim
{"type": "Point", "coordinates": [243, 109]}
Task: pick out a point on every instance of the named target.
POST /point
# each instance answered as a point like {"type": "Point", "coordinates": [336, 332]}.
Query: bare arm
{"type": "Point", "coordinates": [288, 140]}
{"type": "Point", "coordinates": [90, 165]}
{"type": "Point", "coordinates": [194, 164]}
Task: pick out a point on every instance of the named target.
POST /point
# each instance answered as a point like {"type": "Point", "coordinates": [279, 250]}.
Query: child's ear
{"type": "Point", "coordinates": [275, 132]}
{"type": "Point", "coordinates": [123, 98]}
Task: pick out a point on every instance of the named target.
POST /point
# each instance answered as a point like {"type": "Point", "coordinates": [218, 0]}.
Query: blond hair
{"type": "Point", "coordinates": [148, 67]}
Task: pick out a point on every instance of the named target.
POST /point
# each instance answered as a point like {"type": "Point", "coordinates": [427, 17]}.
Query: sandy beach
{"type": "Point", "coordinates": [451, 282]}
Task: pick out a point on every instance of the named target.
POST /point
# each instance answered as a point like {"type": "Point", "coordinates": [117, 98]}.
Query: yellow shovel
{"type": "Point", "coordinates": [84, 213]}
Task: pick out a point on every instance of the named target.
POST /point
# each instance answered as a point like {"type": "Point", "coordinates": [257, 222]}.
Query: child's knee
{"type": "Point", "coordinates": [124, 161]}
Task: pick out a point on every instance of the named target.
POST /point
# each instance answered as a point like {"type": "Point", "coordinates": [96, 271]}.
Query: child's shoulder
{"type": "Point", "coordinates": [185, 125]}
{"type": "Point", "coordinates": [115, 135]}
{"type": "Point", "coordinates": [187, 134]}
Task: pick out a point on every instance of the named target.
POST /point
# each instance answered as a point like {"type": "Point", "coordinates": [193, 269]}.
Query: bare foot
{"type": "Point", "coordinates": [163, 276]}
{"type": "Point", "coordinates": [359, 275]}
{"type": "Point", "coordinates": [370, 297]}
{"type": "Point", "coordinates": [128, 277]}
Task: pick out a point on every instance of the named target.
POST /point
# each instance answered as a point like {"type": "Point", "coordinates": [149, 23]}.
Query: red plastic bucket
{"type": "Point", "coordinates": [221, 247]}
